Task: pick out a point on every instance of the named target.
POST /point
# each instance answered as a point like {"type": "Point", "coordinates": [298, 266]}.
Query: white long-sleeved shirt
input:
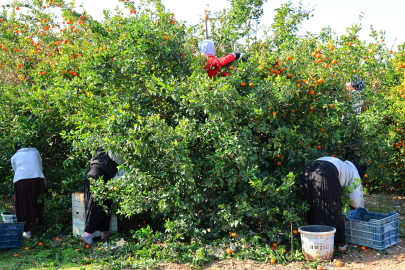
{"type": "Point", "coordinates": [27, 163]}
{"type": "Point", "coordinates": [347, 173]}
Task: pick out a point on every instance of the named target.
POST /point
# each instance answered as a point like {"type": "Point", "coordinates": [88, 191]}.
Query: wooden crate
{"type": "Point", "coordinates": [79, 217]}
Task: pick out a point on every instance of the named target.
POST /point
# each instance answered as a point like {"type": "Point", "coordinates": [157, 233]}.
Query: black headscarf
{"type": "Point", "coordinates": [103, 159]}
{"type": "Point", "coordinates": [17, 146]}
{"type": "Point", "coordinates": [360, 168]}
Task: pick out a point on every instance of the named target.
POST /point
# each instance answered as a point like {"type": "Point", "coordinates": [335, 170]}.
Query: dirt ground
{"type": "Point", "coordinates": [393, 258]}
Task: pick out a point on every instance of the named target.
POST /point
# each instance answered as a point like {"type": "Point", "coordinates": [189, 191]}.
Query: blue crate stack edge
{"type": "Point", "coordinates": [373, 230]}
{"type": "Point", "coordinates": [11, 235]}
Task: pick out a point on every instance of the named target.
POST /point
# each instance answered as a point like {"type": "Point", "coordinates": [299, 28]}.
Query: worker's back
{"type": "Point", "coordinates": [27, 163]}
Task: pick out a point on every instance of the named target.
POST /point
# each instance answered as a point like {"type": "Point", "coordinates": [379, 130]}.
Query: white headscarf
{"type": "Point", "coordinates": [207, 47]}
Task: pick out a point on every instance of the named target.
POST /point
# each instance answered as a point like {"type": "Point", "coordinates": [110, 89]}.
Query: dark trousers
{"type": "Point", "coordinates": [26, 194]}
{"type": "Point", "coordinates": [320, 187]}
{"type": "Point", "coordinates": [96, 218]}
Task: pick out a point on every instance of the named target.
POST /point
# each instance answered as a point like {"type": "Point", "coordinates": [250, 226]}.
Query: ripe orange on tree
{"type": "Point", "coordinates": [272, 260]}
{"type": "Point", "coordinates": [231, 68]}
{"type": "Point", "coordinates": [26, 248]}
{"type": "Point", "coordinates": [295, 231]}
{"type": "Point", "coordinates": [40, 244]}
{"type": "Point", "coordinates": [242, 84]}
{"type": "Point", "coordinates": [234, 235]}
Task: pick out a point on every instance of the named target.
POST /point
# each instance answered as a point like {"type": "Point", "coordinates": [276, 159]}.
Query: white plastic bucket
{"type": "Point", "coordinates": [8, 217]}
{"type": "Point", "coordinates": [317, 242]}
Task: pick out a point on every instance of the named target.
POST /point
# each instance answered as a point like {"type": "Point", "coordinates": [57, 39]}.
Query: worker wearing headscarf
{"type": "Point", "coordinates": [321, 186]}
{"type": "Point", "coordinates": [212, 64]}
{"type": "Point", "coordinates": [103, 165]}
{"type": "Point", "coordinates": [29, 184]}
{"type": "Point", "coordinates": [356, 87]}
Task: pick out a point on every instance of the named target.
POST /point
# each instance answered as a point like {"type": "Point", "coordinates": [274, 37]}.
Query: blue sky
{"type": "Point", "coordinates": [387, 15]}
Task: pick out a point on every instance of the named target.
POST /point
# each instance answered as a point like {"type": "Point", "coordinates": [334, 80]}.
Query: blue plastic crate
{"type": "Point", "coordinates": [372, 230]}
{"type": "Point", "coordinates": [11, 235]}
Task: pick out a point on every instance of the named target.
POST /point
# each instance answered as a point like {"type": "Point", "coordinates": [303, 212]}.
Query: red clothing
{"type": "Point", "coordinates": [214, 64]}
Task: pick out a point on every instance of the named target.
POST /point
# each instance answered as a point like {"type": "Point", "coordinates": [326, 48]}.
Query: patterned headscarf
{"type": "Point", "coordinates": [357, 83]}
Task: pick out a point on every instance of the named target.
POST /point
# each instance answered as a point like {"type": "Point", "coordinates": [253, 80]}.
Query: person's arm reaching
{"type": "Point", "coordinates": [355, 196]}
{"type": "Point", "coordinates": [40, 160]}
{"type": "Point", "coordinates": [13, 163]}
{"type": "Point", "coordinates": [220, 62]}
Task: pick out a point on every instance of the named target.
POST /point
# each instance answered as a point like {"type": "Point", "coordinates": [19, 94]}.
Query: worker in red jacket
{"type": "Point", "coordinates": [212, 64]}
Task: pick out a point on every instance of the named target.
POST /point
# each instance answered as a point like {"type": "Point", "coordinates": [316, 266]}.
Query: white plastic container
{"type": "Point", "coordinates": [8, 217]}
{"type": "Point", "coordinates": [79, 217]}
{"type": "Point", "coordinates": [317, 242]}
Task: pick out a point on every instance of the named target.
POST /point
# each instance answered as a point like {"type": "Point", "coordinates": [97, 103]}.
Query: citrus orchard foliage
{"type": "Point", "coordinates": [223, 154]}
{"type": "Point", "coordinates": [393, 156]}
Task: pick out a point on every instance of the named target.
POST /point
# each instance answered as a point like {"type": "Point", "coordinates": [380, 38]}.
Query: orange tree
{"type": "Point", "coordinates": [223, 154]}
{"type": "Point", "coordinates": [392, 157]}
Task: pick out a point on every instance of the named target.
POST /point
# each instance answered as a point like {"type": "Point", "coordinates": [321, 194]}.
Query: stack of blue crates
{"type": "Point", "coordinates": [11, 235]}
{"type": "Point", "coordinates": [372, 230]}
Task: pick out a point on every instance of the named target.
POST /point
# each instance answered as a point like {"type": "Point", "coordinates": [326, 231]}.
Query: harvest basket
{"type": "Point", "coordinates": [11, 235]}
{"type": "Point", "coordinates": [317, 242]}
{"type": "Point", "coordinates": [372, 230]}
